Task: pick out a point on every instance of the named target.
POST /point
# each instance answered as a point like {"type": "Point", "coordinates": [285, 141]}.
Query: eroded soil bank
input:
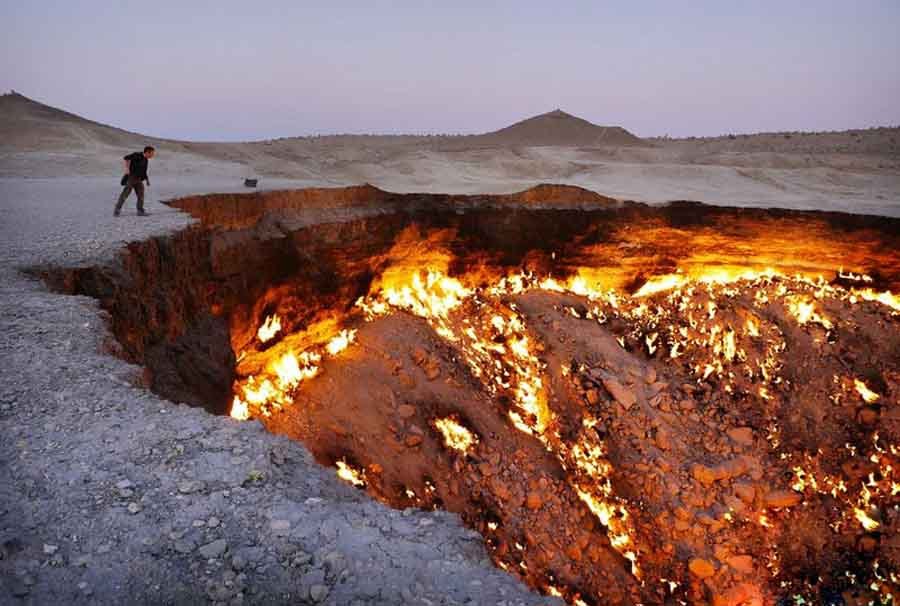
{"type": "Point", "coordinates": [630, 403]}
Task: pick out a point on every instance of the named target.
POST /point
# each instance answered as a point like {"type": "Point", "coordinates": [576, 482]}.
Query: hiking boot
{"type": "Point", "coordinates": [116, 213]}
{"type": "Point", "coordinates": [142, 213]}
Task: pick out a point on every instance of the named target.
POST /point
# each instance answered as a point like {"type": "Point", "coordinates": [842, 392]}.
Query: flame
{"type": "Point", "coordinates": [803, 308]}
{"type": "Point", "coordinates": [867, 522]}
{"type": "Point", "coordinates": [456, 436]}
{"type": "Point", "coordinates": [659, 284]}
{"type": "Point", "coordinates": [239, 410]}
{"type": "Point", "coordinates": [341, 342]}
{"type": "Point", "coordinates": [885, 298]}
{"type": "Point", "coordinates": [864, 392]}
{"type": "Point", "coordinates": [269, 328]}
{"type": "Point", "coordinates": [349, 474]}
{"type": "Point", "coordinates": [290, 369]}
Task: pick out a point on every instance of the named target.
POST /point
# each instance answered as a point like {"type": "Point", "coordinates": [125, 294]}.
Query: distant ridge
{"type": "Point", "coordinates": [28, 124]}
{"type": "Point", "coordinates": [560, 128]}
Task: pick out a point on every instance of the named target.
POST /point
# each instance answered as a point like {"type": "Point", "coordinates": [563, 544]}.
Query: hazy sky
{"type": "Point", "coordinates": [230, 70]}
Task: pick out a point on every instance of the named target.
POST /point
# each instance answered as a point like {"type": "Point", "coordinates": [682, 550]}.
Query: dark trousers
{"type": "Point", "coordinates": [136, 184]}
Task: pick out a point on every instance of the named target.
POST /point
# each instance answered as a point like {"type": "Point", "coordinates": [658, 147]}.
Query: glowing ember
{"type": "Point", "coordinates": [269, 328]}
{"type": "Point", "coordinates": [349, 474]}
{"type": "Point", "coordinates": [455, 435]}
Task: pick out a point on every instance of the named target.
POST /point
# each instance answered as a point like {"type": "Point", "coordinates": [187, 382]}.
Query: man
{"type": "Point", "coordinates": [136, 165]}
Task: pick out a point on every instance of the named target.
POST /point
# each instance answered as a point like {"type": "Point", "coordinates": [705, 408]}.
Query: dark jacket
{"type": "Point", "coordinates": [139, 164]}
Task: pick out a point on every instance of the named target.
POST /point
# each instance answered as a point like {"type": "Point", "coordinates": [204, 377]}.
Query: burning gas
{"type": "Point", "coordinates": [269, 328]}
{"type": "Point", "coordinates": [722, 338]}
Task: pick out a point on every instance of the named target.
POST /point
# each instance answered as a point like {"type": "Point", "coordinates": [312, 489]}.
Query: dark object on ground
{"type": "Point", "coordinates": [250, 182]}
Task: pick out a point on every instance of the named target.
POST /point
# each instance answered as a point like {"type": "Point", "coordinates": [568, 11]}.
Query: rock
{"type": "Point", "coordinates": [190, 486]}
{"type": "Point", "coordinates": [650, 377]}
{"type": "Point", "coordinates": [783, 498]}
{"type": "Point", "coordinates": [184, 547]}
{"type": "Point", "coordinates": [741, 435]}
{"type": "Point", "coordinates": [280, 527]}
{"type": "Point", "coordinates": [432, 371]}
{"type": "Point", "coordinates": [533, 501]}
{"type": "Point", "coordinates": [741, 563]}
{"type": "Point", "coordinates": [85, 588]}
{"type": "Point", "coordinates": [124, 485]}
{"type": "Point", "coordinates": [318, 592]}
{"type": "Point", "coordinates": [50, 549]}
{"type": "Point", "coordinates": [18, 588]}
{"type": "Point", "coordinates": [419, 356]}
{"type": "Point", "coordinates": [134, 508]}
{"type": "Point", "coordinates": [214, 549]}
{"type": "Point", "coordinates": [592, 396]}
{"type": "Point", "coordinates": [867, 416]}
{"type": "Point", "coordinates": [213, 522]}
{"type": "Point", "coordinates": [662, 439]}
{"type": "Point", "coordinates": [277, 457]}
{"type": "Point", "coordinates": [622, 394]}
{"type": "Point", "coordinates": [406, 411]}
{"type": "Point", "coordinates": [867, 543]}
{"type": "Point", "coordinates": [703, 474]}
{"type": "Point", "coordinates": [413, 441]}
{"type": "Point", "coordinates": [700, 568]}
{"type": "Point", "coordinates": [406, 380]}
{"type": "Point", "coordinates": [745, 492]}
{"type": "Point", "coordinates": [722, 471]}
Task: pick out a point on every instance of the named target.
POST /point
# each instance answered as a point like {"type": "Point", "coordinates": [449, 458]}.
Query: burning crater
{"type": "Point", "coordinates": [686, 404]}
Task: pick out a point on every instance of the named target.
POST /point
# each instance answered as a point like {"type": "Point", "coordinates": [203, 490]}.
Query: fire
{"type": "Point", "coordinates": [885, 298]}
{"type": "Point", "coordinates": [349, 474]}
{"type": "Point", "coordinates": [660, 284]}
{"type": "Point", "coordinates": [290, 369]}
{"type": "Point", "coordinates": [803, 308]}
{"type": "Point", "coordinates": [456, 436]}
{"type": "Point", "coordinates": [341, 342]}
{"type": "Point", "coordinates": [239, 410]}
{"type": "Point", "coordinates": [430, 294]}
{"type": "Point", "coordinates": [688, 319]}
{"type": "Point", "coordinates": [269, 328]}
{"type": "Point", "coordinates": [867, 522]}
{"type": "Point", "coordinates": [864, 392]}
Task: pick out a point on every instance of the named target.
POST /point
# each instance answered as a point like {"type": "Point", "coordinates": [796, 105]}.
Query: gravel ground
{"type": "Point", "coordinates": [110, 495]}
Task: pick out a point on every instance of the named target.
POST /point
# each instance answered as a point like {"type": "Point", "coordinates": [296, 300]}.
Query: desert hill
{"type": "Point", "coordinates": [559, 128]}
{"type": "Point", "coordinates": [27, 125]}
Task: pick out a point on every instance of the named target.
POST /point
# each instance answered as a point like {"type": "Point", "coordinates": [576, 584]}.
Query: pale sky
{"type": "Point", "coordinates": [235, 70]}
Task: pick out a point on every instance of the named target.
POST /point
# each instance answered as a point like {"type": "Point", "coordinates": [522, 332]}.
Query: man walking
{"type": "Point", "coordinates": [136, 165]}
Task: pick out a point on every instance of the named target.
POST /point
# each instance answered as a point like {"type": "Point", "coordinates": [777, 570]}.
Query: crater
{"type": "Point", "coordinates": [632, 404]}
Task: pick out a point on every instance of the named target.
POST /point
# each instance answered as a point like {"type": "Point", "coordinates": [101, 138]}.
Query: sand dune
{"type": "Point", "coordinates": [857, 171]}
